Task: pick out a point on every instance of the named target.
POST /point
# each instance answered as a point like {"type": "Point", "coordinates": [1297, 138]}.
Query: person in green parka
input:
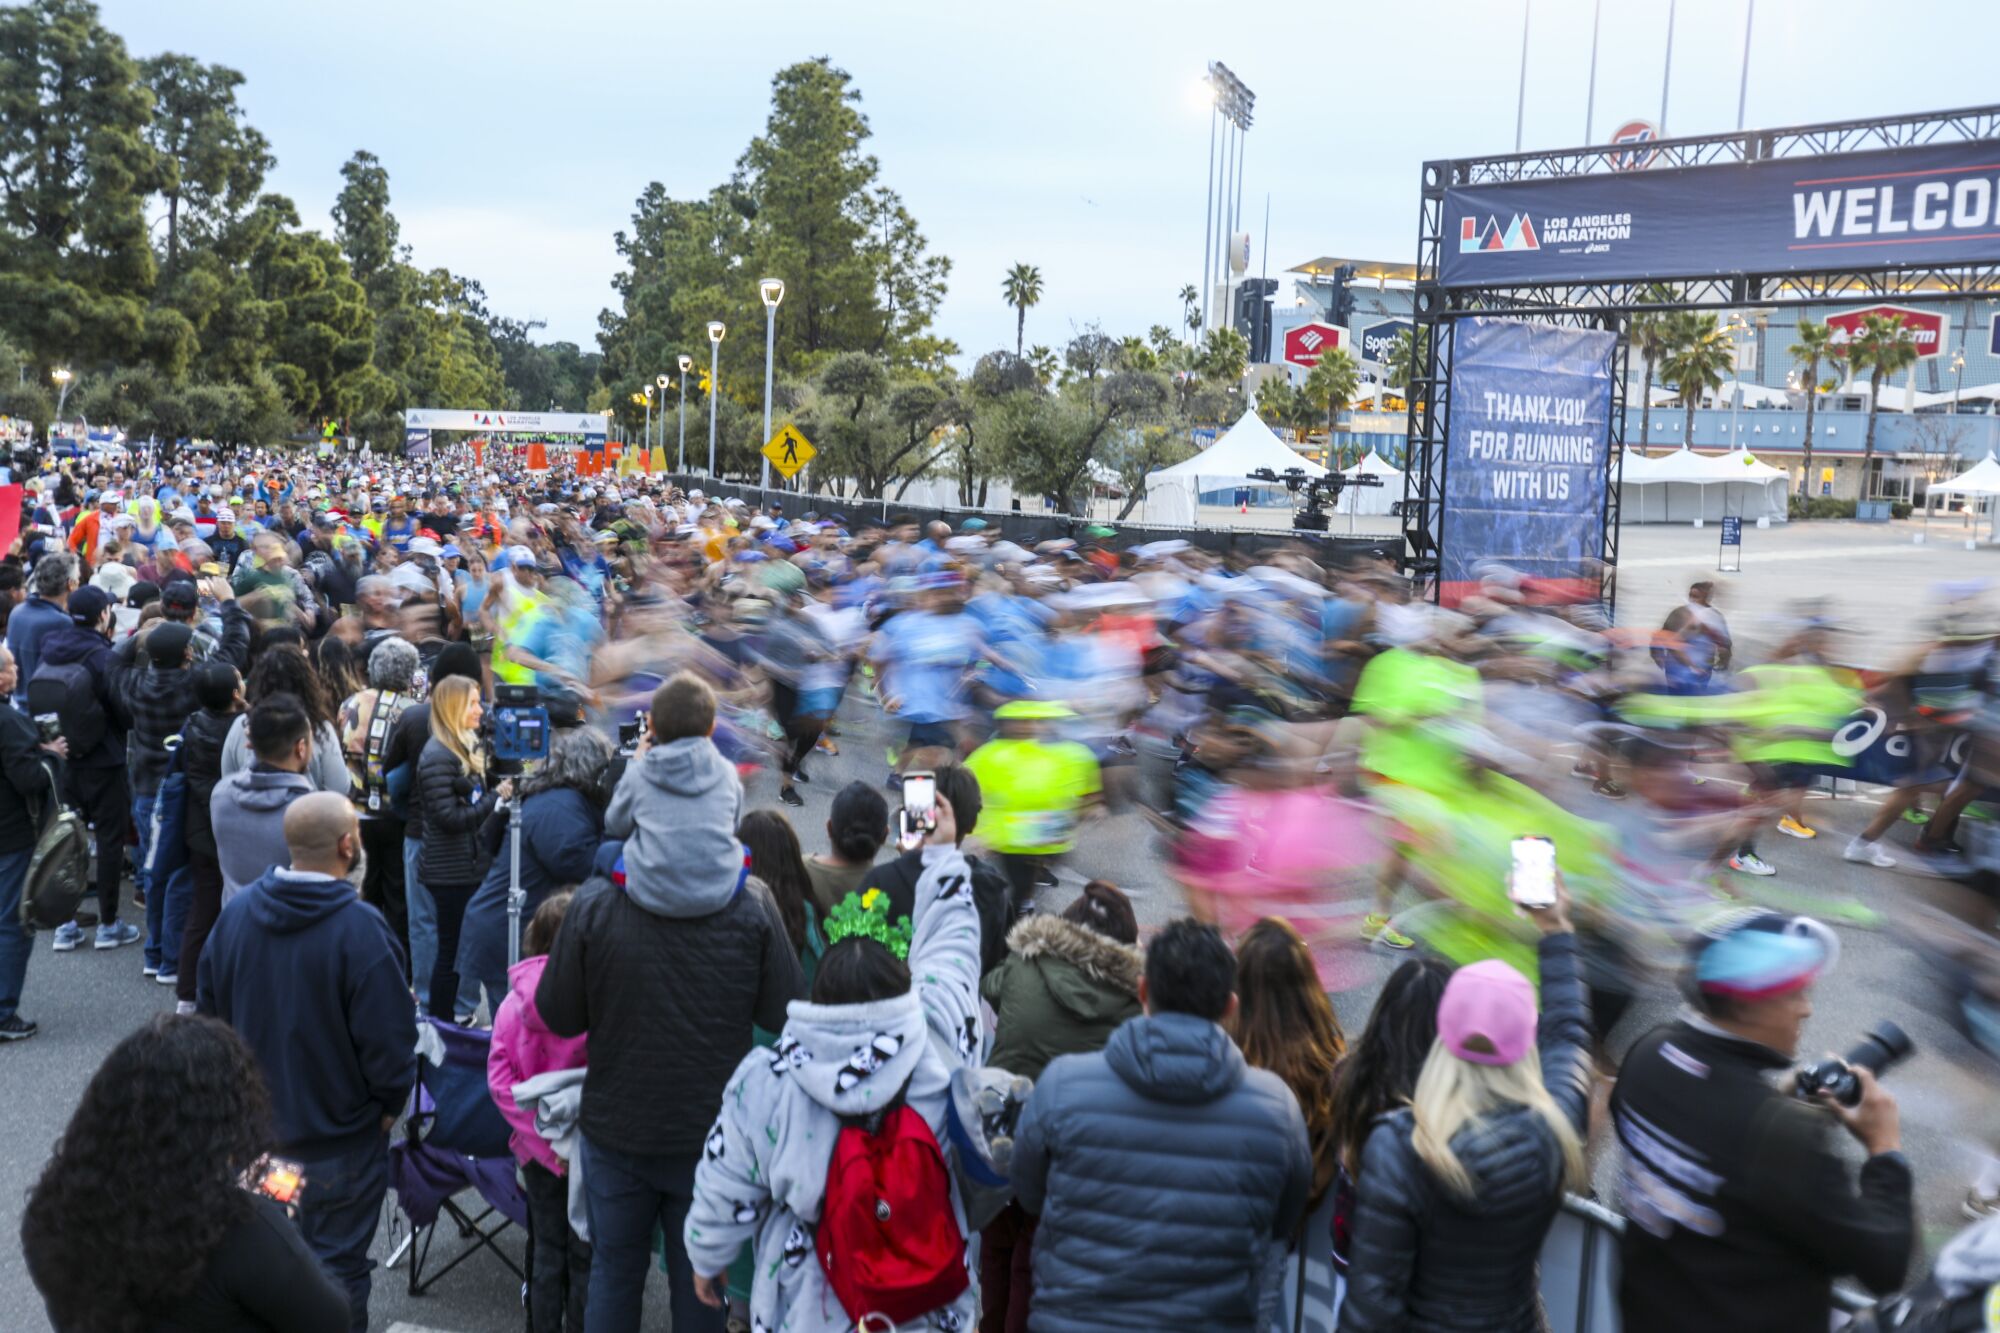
{"type": "Point", "coordinates": [1067, 983]}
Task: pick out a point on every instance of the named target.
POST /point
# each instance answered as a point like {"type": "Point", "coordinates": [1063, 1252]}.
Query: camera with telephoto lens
{"type": "Point", "coordinates": [520, 727]}
{"type": "Point", "coordinates": [1885, 1046]}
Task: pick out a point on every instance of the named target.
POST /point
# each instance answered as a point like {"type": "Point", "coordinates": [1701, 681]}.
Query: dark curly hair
{"type": "Point", "coordinates": [143, 1183]}
{"type": "Point", "coordinates": [287, 670]}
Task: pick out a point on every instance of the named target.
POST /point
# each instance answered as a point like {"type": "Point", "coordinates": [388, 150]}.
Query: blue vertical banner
{"type": "Point", "coordinates": [416, 443]}
{"type": "Point", "coordinates": [1530, 438]}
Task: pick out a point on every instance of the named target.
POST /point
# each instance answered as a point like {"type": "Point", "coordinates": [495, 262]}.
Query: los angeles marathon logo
{"type": "Point", "coordinates": [1594, 232]}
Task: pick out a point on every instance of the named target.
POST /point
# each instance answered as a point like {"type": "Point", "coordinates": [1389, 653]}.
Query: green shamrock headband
{"type": "Point", "coordinates": [866, 916]}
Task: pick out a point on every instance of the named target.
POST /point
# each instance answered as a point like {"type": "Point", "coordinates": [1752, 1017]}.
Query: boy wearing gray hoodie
{"type": "Point", "coordinates": [679, 803]}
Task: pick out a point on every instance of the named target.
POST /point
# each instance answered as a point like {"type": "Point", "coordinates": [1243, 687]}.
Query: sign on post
{"type": "Point", "coordinates": [789, 450]}
{"type": "Point", "coordinates": [1732, 535]}
{"type": "Point", "coordinates": [1926, 327]}
{"type": "Point", "coordinates": [1377, 339]}
{"type": "Point", "coordinates": [1305, 344]}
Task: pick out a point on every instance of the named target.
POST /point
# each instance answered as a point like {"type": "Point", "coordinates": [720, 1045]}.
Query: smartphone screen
{"type": "Point", "coordinates": [919, 814]}
{"type": "Point", "coordinates": [628, 734]}
{"type": "Point", "coordinates": [1534, 879]}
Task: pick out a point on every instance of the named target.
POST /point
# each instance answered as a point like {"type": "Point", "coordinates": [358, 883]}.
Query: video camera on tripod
{"type": "Point", "coordinates": [520, 733]}
{"type": "Point", "coordinates": [1318, 492]}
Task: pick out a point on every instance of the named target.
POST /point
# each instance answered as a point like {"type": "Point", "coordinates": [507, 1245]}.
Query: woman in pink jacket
{"type": "Point", "coordinates": [522, 1049]}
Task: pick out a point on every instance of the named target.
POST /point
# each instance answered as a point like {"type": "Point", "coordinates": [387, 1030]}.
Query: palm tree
{"type": "Point", "coordinates": [1405, 358]}
{"type": "Point", "coordinates": [1191, 307]}
{"type": "Point", "coordinates": [1698, 351]}
{"type": "Point", "coordinates": [1022, 287]}
{"type": "Point", "coordinates": [1224, 358]}
{"type": "Point", "coordinates": [1648, 336]}
{"type": "Point", "coordinates": [1815, 345]}
{"type": "Point", "coordinates": [1331, 385]}
{"type": "Point", "coordinates": [1882, 346]}
{"type": "Point", "coordinates": [1044, 363]}
{"type": "Point", "coordinates": [1277, 402]}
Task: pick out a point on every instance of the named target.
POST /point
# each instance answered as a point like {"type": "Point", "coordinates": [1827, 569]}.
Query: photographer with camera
{"type": "Point", "coordinates": [1741, 1210]}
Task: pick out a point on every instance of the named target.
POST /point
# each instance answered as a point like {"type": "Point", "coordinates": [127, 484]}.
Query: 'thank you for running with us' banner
{"type": "Point", "coordinates": [1530, 429]}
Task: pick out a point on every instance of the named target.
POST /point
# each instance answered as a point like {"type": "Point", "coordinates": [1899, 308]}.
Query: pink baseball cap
{"type": "Point", "coordinates": [1487, 1015]}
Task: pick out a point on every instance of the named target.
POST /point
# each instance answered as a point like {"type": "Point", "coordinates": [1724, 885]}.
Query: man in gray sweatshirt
{"type": "Point", "coordinates": [248, 807]}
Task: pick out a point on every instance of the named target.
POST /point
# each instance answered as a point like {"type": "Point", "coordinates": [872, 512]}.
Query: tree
{"type": "Point", "coordinates": [1225, 357]}
{"type": "Point", "coordinates": [213, 163]}
{"type": "Point", "coordinates": [911, 281]}
{"type": "Point", "coordinates": [1330, 386]}
{"type": "Point", "coordinates": [1140, 453]}
{"type": "Point", "coordinates": [368, 232]}
{"type": "Point", "coordinates": [1815, 345]}
{"type": "Point", "coordinates": [1699, 352]}
{"type": "Point", "coordinates": [1881, 346]}
{"type": "Point", "coordinates": [1277, 402]}
{"type": "Point", "coordinates": [1405, 359]}
{"type": "Point", "coordinates": [1022, 287]}
{"type": "Point", "coordinates": [1045, 364]}
{"type": "Point", "coordinates": [1651, 335]}
{"type": "Point", "coordinates": [867, 426]}
{"type": "Point", "coordinates": [76, 271]}
{"type": "Point", "coordinates": [1049, 440]}
{"type": "Point", "coordinates": [1191, 308]}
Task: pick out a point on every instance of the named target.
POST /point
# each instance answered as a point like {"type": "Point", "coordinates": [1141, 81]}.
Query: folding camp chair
{"type": "Point", "coordinates": [454, 1139]}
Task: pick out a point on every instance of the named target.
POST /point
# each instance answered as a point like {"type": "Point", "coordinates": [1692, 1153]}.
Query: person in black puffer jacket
{"type": "Point", "coordinates": [218, 692]}
{"type": "Point", "coordinates": [1458, 1190]}
{"type": "Point", "coordinates": [452, 787]}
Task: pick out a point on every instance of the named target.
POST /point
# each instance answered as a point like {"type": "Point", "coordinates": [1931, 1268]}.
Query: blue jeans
{"type": "Point", "coordinates": [166, 909]}
{"type": "Point", "coordinates": [338, 1213]}
{"type": "Point", "coordinates": [625, 1197]}
{"type": "Point", "coordinates": [15, 943]}
{"type": "Point", "coordinates": [423, 923]}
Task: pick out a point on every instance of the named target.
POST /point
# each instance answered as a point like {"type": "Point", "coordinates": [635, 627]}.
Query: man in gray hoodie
{"type": "Point", "coordinates": [666, 962]}
{"type": "Point", "coordinates": [248, 807]}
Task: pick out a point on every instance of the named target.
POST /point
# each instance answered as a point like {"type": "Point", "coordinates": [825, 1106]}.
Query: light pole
{"type": "Point", "coordinates": [715, 332]}
{"type": "Point", "coordinates": [663, 382]}
{"type": "Point", "coordinates": [773, 291]}
{"type": "Point", "coordinates": [681, 454]}
{"type": "Point", "coordinates": [649, 412]}
{"type": "Point", "coordinates": [62, 377]}
{"type": "Point", "coordinates": [1958, 369]}
{"type": "Point", "coordinates": [1733, 328]}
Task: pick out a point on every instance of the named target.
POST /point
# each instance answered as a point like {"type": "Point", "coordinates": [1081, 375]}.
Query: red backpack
{"type": "Point", "coordinates": [888, 1240]}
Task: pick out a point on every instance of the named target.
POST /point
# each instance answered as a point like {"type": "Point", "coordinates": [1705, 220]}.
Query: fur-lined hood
{"type": "Point", "coordinates": [1100, 959]}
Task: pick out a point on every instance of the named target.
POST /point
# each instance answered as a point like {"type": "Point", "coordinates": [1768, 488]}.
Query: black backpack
{"type": "Point", "coordinates": [59, 871]}
{"type": "Point", "coordinates": [70, 692]}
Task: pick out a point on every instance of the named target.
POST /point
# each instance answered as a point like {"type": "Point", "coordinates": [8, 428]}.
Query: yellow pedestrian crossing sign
{"type": "Point", "coordinates": [789, 451]}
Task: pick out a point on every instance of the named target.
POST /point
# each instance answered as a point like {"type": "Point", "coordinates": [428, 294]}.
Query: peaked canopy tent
{"type": "Point", "coordinates": [1372, 499]}
{"type": "Point", "coordinates": [1982, 478]}
{"type": "Point", "coordinates": [1173, 495]}
{"type": "Point", "coordinates": [1685, 485]}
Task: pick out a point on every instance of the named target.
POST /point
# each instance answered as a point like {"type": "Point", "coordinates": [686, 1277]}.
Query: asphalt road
{"type": "Point", "coordinates": [86, 1001]}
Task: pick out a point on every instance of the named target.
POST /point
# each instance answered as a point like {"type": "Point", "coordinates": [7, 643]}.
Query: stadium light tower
{"type": "Point", "coordinates": [1234, 103]}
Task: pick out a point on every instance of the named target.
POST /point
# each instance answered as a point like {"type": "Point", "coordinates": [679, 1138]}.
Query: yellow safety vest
{"type": "Point", "coordinates": [523, 607]}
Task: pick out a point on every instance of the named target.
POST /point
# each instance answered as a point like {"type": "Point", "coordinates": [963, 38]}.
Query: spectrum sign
{"type": "Point", "coordinates": [1376, 340]}
{"type": "Point", "coordinates": [1926, 327]}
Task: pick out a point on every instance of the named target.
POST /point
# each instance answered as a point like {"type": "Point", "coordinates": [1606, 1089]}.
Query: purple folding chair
{"type": "Point", "coordinates": [454, 1139]}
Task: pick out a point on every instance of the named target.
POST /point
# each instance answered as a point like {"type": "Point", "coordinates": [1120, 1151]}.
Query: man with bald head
{"type": "Point", "coordinates": [313, 980]}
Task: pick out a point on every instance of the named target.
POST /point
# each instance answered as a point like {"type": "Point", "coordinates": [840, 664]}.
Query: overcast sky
{"type": "Point", "coordinates": [1073, 136]}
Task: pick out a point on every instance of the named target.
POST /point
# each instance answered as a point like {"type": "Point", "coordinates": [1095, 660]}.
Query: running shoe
{"type": "Point", "coordinates": [1916, 816]}
{"type": "Point", "coordinates": [1792, 828]}
{"type": "Point", "coordinates": [1979, 1207]}
{"type": "Point", "coordinates": [1868, 853]}
{"type": "Point", "coordinates": [167, 978]}
{"type": "Point", "coordinates": [149, 969]}
{"type": "Point", "coordinates": [826, 745]}
{"type": "Point", "coordinates": [1749, 863]}
{"type": "Point", "coordinates": [68, 936]}
{"type": "Point", "coordinates": [16, 1028]}
{"type": "Point", "coordinates": [791, 797]}
{"type": "Point", "coordinates": [115, 933]}
{"type": "Point", "coordinates": [1375, 926]}
{"type": "Point", "coordinates": [1608, 789]}
{"type": "Point", "coordinates": [1940, 863]}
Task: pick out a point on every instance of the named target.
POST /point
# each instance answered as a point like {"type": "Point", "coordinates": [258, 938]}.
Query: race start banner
{"type": "Point", "coordinates": [1935, 203]}
{"type": "Point", "coordinates": [1530, 430]}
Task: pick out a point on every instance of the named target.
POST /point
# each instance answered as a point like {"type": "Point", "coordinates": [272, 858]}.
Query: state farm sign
{"type": "Point", "coordinates": [1305, 344]}
{"type": "Point", "coordinates": [1926, 327]}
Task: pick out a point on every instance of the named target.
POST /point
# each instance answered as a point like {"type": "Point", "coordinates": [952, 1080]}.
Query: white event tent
{"type": "Point", "coordinates": [1376, 500]}
{"type": "Point", "coordinates": [1173, 494]}
{"type": "Point", "coordinates": [1685, 485]}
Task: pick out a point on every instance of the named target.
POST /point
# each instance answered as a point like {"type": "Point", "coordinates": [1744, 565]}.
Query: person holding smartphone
{"type": "Point", "coordinates": [1457, 1190]}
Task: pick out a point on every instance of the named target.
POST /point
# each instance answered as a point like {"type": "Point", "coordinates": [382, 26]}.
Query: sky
{"type": "Point", "coordinates": [1072, 136]}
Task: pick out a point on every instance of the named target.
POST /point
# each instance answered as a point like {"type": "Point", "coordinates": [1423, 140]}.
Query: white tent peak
{"type": "Point", "coordinates": [1982, 478]}
{"type": "Point", "coordinates": [1244, 447]}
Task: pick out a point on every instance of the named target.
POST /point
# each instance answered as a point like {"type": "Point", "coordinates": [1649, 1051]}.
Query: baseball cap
{"type": "Point", "coordinates": [1487, 1014]}
{"type": "Point", "coordinates": [520, 555]}
{"type": "Point", "coordinates": [180, 595]}
{"type": "Point", "coordinates": [87, 603]}
{"type": "Point", "coordinates": [424, 546]}
{"type": "Point", "coordinates": [1753, 954]}
{"type": "Point", "coordinates": [168, 642]}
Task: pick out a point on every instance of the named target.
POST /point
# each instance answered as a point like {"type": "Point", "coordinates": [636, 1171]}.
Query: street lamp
{"type": "Point", "coordinates": [773, 291]}
{"type": "Point", "coordinates": [663, 382]}
{"type": "Point", "coordinates": [62, 377]}
{"type": "Point", "coordinates": [681, 456]}
{"type": "Point", "coordinates": [1734, 327]}
{"type": "Point", "coordinates": [714, 373]}
{"type": "Point", "coordinates": [649, 412]}
{"type": "Point", "coordinates": [1958, 368]}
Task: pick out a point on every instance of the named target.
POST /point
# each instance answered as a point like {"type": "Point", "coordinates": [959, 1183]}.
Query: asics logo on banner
{"type": "Point", "coordinates": [1519, 235]}
{"type": "Point", "coordinates": [1311, 339]}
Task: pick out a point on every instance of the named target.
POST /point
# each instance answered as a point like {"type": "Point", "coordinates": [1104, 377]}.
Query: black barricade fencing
{"type": "Point", "coordinates": [1030, 529]}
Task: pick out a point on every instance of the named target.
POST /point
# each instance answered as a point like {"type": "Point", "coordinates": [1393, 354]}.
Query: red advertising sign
{"type": "Point", "coordinates": [1925, 326]}
{"type": "Point", "coordinates": [1305, 344]}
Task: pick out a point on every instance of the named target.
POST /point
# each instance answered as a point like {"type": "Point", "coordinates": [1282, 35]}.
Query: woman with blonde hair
{"type": "Point", "coordinates": [457, 799]}
{"type": "Point", "coordinates": [1285, 1023]}
{"type": "Point", "coordinates": [1458, 1189]}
